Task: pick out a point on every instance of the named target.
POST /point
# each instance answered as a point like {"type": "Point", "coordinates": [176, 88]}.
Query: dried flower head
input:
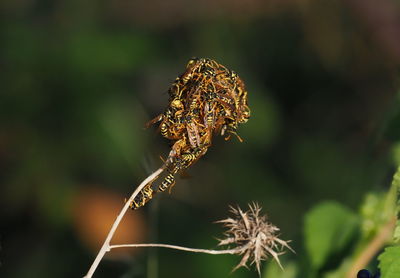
{"type": "Point", "coordinates": [252, 236]}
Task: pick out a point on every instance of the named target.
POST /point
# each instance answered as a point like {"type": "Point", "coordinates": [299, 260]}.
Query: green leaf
{"type": "Point", "coordinates": [396, 234]}
{"type": "Point", "coordinates": [328, 229]}
{"type": "Point", "coordinates": [395, 189]}
{"type": "Point", "coordinates": [389, 262]}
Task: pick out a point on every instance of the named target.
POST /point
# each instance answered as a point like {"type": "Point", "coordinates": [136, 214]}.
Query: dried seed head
{"type": "Point", "coordinates": [252, 236]}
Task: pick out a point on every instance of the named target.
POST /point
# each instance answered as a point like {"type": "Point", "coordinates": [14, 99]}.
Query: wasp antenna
{"type": "Point", "coordinates": [162, 159]}
{"type": "Point", "coordinates": [237, 136]}
{"type": "Point", "coordinates": [153, 121]}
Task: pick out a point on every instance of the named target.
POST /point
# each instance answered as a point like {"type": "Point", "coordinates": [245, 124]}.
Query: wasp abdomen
{"type": "Point", "coordinates": [168, 181]}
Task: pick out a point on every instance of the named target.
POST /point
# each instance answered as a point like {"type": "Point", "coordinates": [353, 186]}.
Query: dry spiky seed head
{"type": "Point", "coordinates": [252, 236]}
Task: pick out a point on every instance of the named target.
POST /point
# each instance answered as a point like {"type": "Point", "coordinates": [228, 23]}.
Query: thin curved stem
{"type": "Point", "coordinates": [195, 250]}
{"type": "Point", "coordinates": [381, 238]}
{"type": "Point", "coordinates": [106, 245]}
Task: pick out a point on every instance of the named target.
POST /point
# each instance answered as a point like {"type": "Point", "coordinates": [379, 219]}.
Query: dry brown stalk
{"type": "Point", "coordinates": [106, 245]}
{"type": "Point", "coordinates": [248, 234]}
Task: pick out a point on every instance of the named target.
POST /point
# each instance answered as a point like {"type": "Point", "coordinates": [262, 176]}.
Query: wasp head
{"type": "Point", "coordinates": [191, 62]}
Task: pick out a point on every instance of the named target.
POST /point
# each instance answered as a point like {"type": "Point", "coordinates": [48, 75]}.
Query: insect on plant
{"type": "Point", "coordinates": [207, 98]}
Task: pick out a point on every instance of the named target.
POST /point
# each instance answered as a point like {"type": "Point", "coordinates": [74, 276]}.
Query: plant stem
{"type": "Point", "coordinates": [381, 238]}
{"type": "Point", "coordinates": [106, 245]}
{"type": "Point", "coordinates": [195, 250]}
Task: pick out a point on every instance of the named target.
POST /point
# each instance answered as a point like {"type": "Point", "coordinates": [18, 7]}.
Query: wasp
{"type": "Point", "coordinates": [188, 74]}
{"type": "Point", "coordinates": [179, 163]}
{"type": "Point", "coordinates": [145, 195]}
{"type": "Point", "coordinates": [206, 98]}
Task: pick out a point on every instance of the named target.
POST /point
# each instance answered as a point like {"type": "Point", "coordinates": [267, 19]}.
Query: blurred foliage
{"type": "Point", "coordinates": [273, 270]}
{"type": "Point", "coordinates": [336, 238]}
{"type": "Point", "coordinates": [326, 235]}
{"type": "Point", "coordinates": [79, 80]}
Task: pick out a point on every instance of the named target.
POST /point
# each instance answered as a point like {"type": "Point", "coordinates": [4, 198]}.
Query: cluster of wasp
{"type": "Point", "coordinates": [207, 98]}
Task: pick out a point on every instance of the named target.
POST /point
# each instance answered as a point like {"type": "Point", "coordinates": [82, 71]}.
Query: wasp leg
{"type": "Point", "coordinates": [234, 133]}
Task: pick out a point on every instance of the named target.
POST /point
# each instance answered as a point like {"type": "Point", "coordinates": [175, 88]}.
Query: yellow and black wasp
{"type": "Point", "coordinates": [206, 98]}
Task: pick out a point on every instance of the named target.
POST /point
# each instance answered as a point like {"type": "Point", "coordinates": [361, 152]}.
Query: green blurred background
{"type": "Point", "coordinates": [78, 80]}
